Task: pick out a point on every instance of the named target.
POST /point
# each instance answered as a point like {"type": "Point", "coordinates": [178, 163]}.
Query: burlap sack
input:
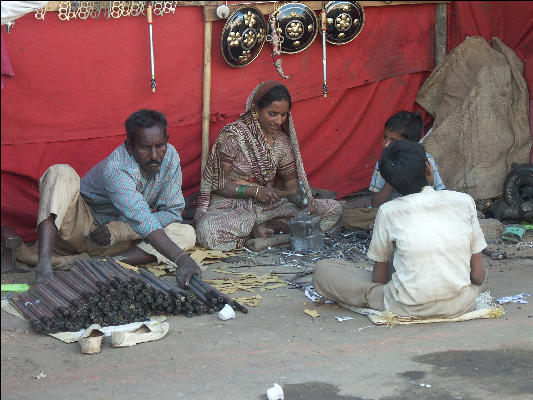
{"type": "Point", "coordinates": [480, 102]}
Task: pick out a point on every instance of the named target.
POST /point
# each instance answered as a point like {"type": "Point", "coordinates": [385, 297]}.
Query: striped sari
{"type": "Point", "coordinates": [226, 223]}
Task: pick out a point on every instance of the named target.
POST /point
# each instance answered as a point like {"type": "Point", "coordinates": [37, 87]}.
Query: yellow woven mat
{"type": "Point", "coordinates": [390, 319]}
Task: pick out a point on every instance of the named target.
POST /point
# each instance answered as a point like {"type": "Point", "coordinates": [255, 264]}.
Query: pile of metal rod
{"type": "Point", "coordinates": [104, 292]}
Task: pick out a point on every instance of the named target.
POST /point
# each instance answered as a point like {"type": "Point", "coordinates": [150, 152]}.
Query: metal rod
{"type": "Point", "coordinates": [77, 274]}
{"type": "Point", "coordinates": [75, 284]}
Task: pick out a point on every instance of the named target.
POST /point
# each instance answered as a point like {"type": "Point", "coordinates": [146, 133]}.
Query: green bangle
{"type": "Point", "coordinates": [241, 191]}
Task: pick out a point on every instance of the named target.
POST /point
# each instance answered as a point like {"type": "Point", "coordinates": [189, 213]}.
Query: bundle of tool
{"type": "Point", "coordinates": [104, 292]}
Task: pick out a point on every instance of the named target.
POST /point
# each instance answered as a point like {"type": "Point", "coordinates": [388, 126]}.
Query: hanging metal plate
{"type": "Point", "coordinates": [243, 36]}
{"type": "Point", "coordinates": [297, 24]}
{"type": "Point", "coordinates": [345, 20]}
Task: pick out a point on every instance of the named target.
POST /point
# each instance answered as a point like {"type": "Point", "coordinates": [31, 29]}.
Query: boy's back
{"type": "Point", "coordinates": [432, 235]}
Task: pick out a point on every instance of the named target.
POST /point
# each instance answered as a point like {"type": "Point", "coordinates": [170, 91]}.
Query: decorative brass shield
{"type": "Point", "coordinates": [243, 36]}
{"type": "Point", "coordinates": [297, 24]}
{"type": "Point", "coordinates": [345, 20]}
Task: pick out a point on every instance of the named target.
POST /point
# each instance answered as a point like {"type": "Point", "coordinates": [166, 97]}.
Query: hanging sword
{"type": "Point", "coordinates": [324, 85]}
{"type": "Point", "coordinates": [149, 15]}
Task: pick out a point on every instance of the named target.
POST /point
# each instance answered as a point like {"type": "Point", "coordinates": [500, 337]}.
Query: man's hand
{"type": "Point", "coordinates": [101, 235]}
{"type": "Point", "coordinates": [187, 267]}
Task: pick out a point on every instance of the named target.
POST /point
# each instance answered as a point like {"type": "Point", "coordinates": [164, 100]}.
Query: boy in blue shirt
{"type": "Point", "coordinates": [402, 125]}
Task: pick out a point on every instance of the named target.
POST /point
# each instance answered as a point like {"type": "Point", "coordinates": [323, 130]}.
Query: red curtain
{"type": "Point", "coordinates": [76, 82]}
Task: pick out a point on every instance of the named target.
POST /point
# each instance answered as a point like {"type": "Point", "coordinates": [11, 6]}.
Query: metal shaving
{"type": "Point", "coordinates": [347, 245]}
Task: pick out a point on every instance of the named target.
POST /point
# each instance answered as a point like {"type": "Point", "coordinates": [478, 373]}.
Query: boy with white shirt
{"type": "Point", "coordinates": [433, 238]}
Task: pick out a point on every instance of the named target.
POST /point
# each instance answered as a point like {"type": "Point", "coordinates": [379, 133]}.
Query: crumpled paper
{"type": "Point", "coordinates": [517, 298]}
{"type": "Point", "coordinates": [340, 319]}
{"type": "Point", "coordinates": [314, 296]}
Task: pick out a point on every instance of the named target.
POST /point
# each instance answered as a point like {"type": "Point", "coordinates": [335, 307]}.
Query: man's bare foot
{"type": "Point", "coordinates": [43, 271]}
{"type": "Point", "coordinates": [262, 231]}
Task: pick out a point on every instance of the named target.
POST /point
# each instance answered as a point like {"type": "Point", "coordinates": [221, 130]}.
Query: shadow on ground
{"type": "Point", "coordinates": [504, 372]}
{"type": "Point", "coordinates": [513, 367]}
{"type": "Point", "coordinates": [314, 391]}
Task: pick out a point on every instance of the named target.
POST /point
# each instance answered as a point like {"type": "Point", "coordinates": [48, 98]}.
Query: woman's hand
{"type": "Point", "coordinates": [312, 206]}
{"type": "Point", "coordinates": [266, 195]}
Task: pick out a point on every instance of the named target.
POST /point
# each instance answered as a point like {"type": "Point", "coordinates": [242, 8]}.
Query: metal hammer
{"type": "Point", "coordinates": [302, 196]}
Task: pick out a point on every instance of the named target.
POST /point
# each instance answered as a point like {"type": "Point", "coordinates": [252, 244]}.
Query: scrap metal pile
{"type": "Point", "coordinates": [347, 245]}
{"type": "Point", "coordinates": [104, 292]}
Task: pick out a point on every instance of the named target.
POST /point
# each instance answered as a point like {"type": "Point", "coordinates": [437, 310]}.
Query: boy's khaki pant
{"type": "Point", "coordinates": [358, 218]}
{"type": "Point", "coordinates": [343, 282]}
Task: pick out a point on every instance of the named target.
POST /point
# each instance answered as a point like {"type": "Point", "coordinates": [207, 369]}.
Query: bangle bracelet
{"type": "Point", "coordinates": [256, 191]}
{"type": "Point", "coordinates": [241, 191]}
{"type": "Point", "coordinates": [178, 257]}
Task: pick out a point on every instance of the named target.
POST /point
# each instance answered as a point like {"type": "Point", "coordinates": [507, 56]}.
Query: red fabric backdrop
{"type": "Point", "coordinates": [76, 82]}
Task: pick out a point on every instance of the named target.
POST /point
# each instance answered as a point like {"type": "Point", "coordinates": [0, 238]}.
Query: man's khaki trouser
{"type": "Point", "coordinates": [59, 189]}
{"type": "Point", "coordinates": [343, 282]}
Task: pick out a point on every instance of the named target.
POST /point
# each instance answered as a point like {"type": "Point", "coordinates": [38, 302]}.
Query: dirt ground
{"type": "Point", "coordinates": [311, 358]}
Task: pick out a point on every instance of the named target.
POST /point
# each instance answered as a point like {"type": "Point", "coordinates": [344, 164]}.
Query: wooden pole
{"type": "Point", "coordinates": [441, 32]}
{"type": "Point", "coordinates": [206, 110]}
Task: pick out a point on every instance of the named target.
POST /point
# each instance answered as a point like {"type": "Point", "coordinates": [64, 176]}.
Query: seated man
{"type": "Point", "coordinates": [402, 125]}
{"type": "Point", "coordinates": [432, 237]}
{"type": "Point", "coordinates": [130, 204]}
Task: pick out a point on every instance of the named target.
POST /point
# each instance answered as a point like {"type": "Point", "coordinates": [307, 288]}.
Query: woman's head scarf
{"type": "Point", "coordinates": [288, 127]}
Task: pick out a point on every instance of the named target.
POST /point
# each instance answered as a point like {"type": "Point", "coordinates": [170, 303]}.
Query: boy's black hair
{"type": "Point", "coordinates": [407, 124]}
{"type": "Point", "coordinates": [144, 119]}
{"type": "Point", "coordinates": [402, 165]}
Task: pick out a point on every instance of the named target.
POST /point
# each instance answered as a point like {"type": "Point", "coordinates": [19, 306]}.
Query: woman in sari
{"type": "Point", "coordinates": [250, 181]}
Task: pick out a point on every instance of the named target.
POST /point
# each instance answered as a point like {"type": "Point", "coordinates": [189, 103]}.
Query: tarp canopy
{"type": "Point", "coordinates": [76, 82]}
{"type": "Point", "coordinates": [11, 10]}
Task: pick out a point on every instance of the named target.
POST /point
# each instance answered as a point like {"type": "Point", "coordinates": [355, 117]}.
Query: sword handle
{"type": "Point", "coordinates": [324, 28]}
{"type": "Point", "coordinates": [149, 13]}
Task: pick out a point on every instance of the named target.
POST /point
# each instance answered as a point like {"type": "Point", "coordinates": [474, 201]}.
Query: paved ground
{"type": "Point", "coordinates": [205, 358]}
